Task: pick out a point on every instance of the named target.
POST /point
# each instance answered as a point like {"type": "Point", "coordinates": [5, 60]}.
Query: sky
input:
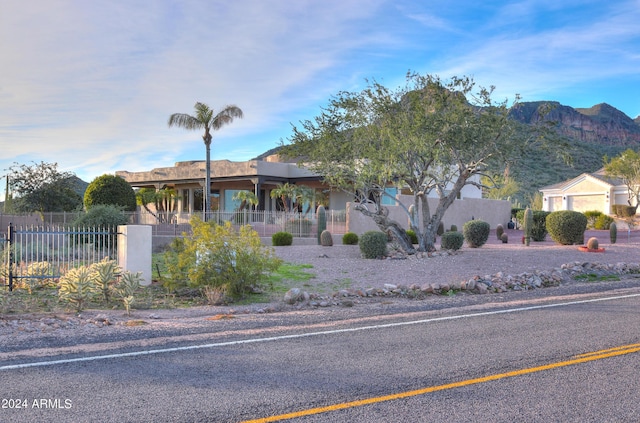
{"type": "Point", "coordinates": [90, 85]}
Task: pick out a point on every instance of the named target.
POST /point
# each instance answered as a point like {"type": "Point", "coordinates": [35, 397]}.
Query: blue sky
{"type": "Point", "coordinates": [90, 84]}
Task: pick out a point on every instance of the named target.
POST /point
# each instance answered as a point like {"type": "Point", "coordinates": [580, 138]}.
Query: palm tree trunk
{"type": "Point", "coordinates": [207, 184]}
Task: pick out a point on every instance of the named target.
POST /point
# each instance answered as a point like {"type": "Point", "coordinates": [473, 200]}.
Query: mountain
{"type": "Point", "coordinates": [601, 124]}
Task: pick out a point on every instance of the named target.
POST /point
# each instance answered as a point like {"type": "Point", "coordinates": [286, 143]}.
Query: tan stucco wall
{"type": "Point", "coordinates": [493, 212]}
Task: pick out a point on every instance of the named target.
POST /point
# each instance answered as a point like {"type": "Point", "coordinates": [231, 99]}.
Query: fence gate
{"type": "Point", "coordinates": [37, 254]}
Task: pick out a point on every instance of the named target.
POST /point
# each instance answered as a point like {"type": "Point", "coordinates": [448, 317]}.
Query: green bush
{"type": "Point", "coordinates": [592, 216]}
{"type": "Point", "coordinates": [454, 228]}
{"type": "Point", "coordinates": [476, 233]}
{"type": "Point", "coordinates": [623, 210]}
{"type": "Point", "coordinates": [373, 244]}
{"type": "Point", "coordinates": [350, 239]}
{"type": "Point", "coordinates": [567, 227]}
{"type": "Point", "coordinates": [110, 190]}
{"type": "Point", "coordinates": [452, 241]}
{"type": "Point", "coordinates": [107, 217]}
{"type": "Point", "coordinates": [221, 257]}
{"type": "Point", "coordinates": [539, 227]}
{"type": "Point", "coordinates": [412, 236]}
{"type": "Point", "coordinates": [280, 239]}
{"type": "Point", "coordinates": [603, 222]}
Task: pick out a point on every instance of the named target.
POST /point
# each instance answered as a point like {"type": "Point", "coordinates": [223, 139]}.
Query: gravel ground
{"type": "Point", "coordinates": [341, 267]}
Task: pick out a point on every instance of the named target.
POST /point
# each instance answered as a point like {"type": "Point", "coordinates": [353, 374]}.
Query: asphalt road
{"type": "Point", "coordinates": [561, 360]}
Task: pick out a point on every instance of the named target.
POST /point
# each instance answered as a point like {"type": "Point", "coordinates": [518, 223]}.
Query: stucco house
{"type": "Point", "coordinates": [227, 178]}
{"type": "Point", "coordinates": [588, 191]}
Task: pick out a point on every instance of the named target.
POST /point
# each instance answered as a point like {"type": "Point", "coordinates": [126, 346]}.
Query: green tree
{"type": "Point", "coordinates": [626, 167]}
{"type": "Point", "coordinates": [205, 119]}
{"type": "Point", "coordinates": [295, 196]}
{"type": "Point", "coordinates": [428, 136]}
{"type": "Point", "coordinates": [42, 188]}
{"type": "Point", "coordinates": [110, 190]}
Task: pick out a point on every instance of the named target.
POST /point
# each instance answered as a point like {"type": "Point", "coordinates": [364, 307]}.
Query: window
{"type": "Point", "coordinates": [390, 198]}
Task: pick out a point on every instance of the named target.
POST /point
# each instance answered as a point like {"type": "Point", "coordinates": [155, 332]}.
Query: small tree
{"type": "Point", "coordinates": [42, 188]}
{"type": "Point", "coordinates": [428, 136]}
{"type": "Point", "coordinates": [110, 190]}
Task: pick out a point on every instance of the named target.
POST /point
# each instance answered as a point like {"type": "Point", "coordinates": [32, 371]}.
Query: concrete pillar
{"type": "Point", "coordinates": [134, 250]}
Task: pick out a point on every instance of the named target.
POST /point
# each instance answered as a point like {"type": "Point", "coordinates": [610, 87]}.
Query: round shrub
{"type": "Point", "coordinates": [412, 236]}
{"type": "Point", "coordinates": [567, 227]}
{"type": "Point", "coordinates": [539, 226]}
{"type": "Point", "coordinates": [476, 233]}
{"type": "Point", "coordinates": [603, 222]}
{"type": "Point", "coordinates": [350, 239]}
{"type": "Point", "coordinates": [454, 228]}
{"type": "Point", "coordinates": [452, 241]}
{"type": "Point", "coordinates": [280, 239]}
{"type": "Point", "coordinates": [373, 244]}
{"type": "Point", "coordinates": [110, 190]}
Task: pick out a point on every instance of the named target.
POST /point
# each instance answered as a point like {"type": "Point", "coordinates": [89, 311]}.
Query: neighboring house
{"type": "Point", "coordinates": [589, 191]}
{"type": "Point", "coordinates": [227, 178]}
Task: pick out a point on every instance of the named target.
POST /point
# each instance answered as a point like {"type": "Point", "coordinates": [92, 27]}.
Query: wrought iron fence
{"type": "Point", "coordinates": [33, 254]}
{"type": "Point", "coordinates": [266, 223]}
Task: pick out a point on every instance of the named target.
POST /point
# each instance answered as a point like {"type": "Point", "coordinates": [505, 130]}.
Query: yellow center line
{"type": "Point", "coordinates": [583, 358]}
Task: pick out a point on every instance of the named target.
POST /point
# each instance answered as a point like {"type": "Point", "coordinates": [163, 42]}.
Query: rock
{"type": "Point", "coordinates": [390, 286]}
{"type": "Point", "coordinates": [294, 295]}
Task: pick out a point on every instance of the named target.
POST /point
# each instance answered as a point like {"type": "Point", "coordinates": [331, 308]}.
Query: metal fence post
{"type": "Point", "coordinates": [10, 239]}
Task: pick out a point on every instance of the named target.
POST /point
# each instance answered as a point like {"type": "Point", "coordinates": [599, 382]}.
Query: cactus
{"type": "Point", "coordinates": [440, 230]}
{"type": "Point", "coordinates": [504, 238]}
{"type": "Point", "coordinates": [326, 240]}
{"type": "Point", "coordinates": [592, 243]}
{"type": "Point", "coordinates": [527, 225]}
{"type": "Point", "coordinates": [454, 228]}
{"type": "Point", "coordinates": [499, 231]}
{"type": "Point", "coordinates": [613, 232]}
{"type": "Point", "coordinates": [322, 222]}
{"type": "Point", "coordinates": [412, 215]}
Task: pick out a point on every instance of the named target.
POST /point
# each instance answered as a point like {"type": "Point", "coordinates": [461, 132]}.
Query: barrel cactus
{"type": "Point", "coordinates": [326, 240]}
{"type": "Point", "coordinates": [592, 243]}
{"type": "Point", "coordinates": [499, 231]}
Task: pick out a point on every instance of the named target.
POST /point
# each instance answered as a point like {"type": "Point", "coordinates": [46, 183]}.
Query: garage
{"type": "Point", "coordinates": [582, 203]}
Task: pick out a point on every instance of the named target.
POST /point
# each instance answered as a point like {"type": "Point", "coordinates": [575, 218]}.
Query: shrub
{"type": "Point", "coordinates": [326, 240]}
{"type": "Point", "coordinates": [110, 190]}
{"type": "Point", "coordinates": [412, 236]}
{"type": "Point", "coordinates": [108, 217]}
{"type": "Point", "coordinates": [298, 227]}
{"type": "Point", "coordinates": [77, 287]}
{"type": "Point", "coordinates": [373, 244]}
{"type": "Point", "coordinates": [623, 210]}
{"type": "Point", "coordinates": [567, 227]}
{"type": "Point", "coordinates": [592, 216]}
{"type": "Point", "coordinates": [476, 233]}
{"type": "Point", "coordinates": [454, 228]}
{"type": "Point", "coordinates": [603, 222]}
{"type": "Point", "coordinates": [539, 226]}
{"type": "Point", "coordinates": [350, 239]}
{"type": "Point", "coordinates": [452, 240]}
{"type": "Point", "coordinates": [440, 229]}
{"type": "Point", "coordinates": [221, 256]}
{"type": "Point", "coordinates": [280, 239]}
{"type": "Point", "coordinates": [499, 231]}
{"type": "Point", "coordinates": [592, 243]}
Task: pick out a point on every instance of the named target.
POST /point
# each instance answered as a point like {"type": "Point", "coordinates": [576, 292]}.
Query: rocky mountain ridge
{"type": "Point", "coordinates": [601, 124]}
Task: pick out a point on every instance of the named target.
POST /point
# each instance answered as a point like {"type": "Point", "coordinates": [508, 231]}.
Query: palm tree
{"type": "Point", "coordinates": [205, 119]}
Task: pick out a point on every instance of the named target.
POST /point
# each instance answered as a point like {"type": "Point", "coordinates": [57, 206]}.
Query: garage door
{"type": "Point", "coordinates": [582, 203]}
